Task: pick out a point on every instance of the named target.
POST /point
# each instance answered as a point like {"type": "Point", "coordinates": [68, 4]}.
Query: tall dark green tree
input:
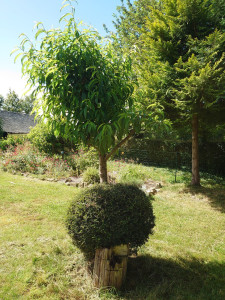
{"type": "Point", "coordinates": [180, 61]}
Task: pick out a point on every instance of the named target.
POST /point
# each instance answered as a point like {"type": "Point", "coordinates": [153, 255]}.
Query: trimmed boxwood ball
{"type": "Point", "coordinates": [106, 215]}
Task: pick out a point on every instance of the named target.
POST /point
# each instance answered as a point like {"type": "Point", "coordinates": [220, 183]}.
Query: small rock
{"type": "Point", "coordinates": [150, 187]}
{"type": "Point", "coordinates": [50, 179]}
{"type": "Point", "coordinates": [158, 185]}
{"type": "Point", "coordinates": [68, 180]}
{"type": "Point", "coordinates": [73, 181]}
{"type": "Point", "coordinates": [152, 192]}
{"type": "Point", "coordinates": [76, 184]}
{"type": "Point", "coordinates": [62, 180]}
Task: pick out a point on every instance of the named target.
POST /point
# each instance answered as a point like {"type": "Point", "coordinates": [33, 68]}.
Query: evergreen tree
{"type": "Point", "coordinates": [180, 61]}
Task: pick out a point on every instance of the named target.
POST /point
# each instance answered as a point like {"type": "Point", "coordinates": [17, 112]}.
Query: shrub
{"type": "Point", "coordinates": [83, 159]}
{"type": "Point", "coordinates": [21, 158]}
{"type": "Point", "coordinates": [27, 159]}
{"type": "Point", "coordinates": [45, 140]}
{"type": "Point", "coordinates": [12, 141]}
{"type": "Point", "coordinates": [3, 144]}
{"type": "Point", "coordinates": [107, 215]}
{"type": "Point", "coordinates": [91, 176]}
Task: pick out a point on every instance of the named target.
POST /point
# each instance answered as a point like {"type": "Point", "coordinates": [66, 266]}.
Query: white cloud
{"type": "Point", "coordinates": [12, 80]}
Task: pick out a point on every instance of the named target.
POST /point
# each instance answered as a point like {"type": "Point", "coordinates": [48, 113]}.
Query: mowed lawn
{"type": "Point", "coordinates": [184, 259]}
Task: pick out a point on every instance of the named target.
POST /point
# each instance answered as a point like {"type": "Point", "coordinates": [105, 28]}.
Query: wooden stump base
{"type": "Point", "coordinates": [110, 266]}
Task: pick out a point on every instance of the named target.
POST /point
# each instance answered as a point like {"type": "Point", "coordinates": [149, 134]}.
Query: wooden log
{"type": "Point", "coordinates": [110, 266]}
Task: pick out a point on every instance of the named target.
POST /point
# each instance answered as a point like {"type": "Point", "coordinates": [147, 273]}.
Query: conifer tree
{"type": "Point", "coordinates": [180, 61]}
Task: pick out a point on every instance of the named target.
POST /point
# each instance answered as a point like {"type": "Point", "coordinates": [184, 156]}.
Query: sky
{"type": "Point", "coordinates": [19, 16]}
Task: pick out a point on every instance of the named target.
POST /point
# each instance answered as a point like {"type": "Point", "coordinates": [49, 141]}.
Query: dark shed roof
{"type": "Point", "coordinates": [13, 122]}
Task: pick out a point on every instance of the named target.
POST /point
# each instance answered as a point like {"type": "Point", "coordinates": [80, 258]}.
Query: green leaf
{"type": "Point", "coordinates": [65, 5]}
{"type": "Point", "coordinates": [17, 56]}
{"type": "Point", "coordinates": [64, 16]}
{"type": "Point", "coordinates": [37, 24]}
{"type": "Point", "coordinates": [14, 50]}
{"type": "Point", "coordinates": [41, 30]}
{"type": "Point", "coordinates": [85, 112]}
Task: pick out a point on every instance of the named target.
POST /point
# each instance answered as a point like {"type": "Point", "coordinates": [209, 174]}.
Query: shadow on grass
{"type": "Point", "coordinates": [157, 278]}
{"type": "Point", "coordinates": [215, 194]}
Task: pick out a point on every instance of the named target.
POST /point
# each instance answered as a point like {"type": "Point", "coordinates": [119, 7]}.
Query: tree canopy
{"type": "Point", "coordinates": [12, 102]}
{"type": "Point", "coordinates": [178, 49]}
{"type": "Point", "coordinates": [84, 86]}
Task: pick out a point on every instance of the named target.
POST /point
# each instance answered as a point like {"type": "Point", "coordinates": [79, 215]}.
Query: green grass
{"type": "Point", "coordinates": [184, 259]}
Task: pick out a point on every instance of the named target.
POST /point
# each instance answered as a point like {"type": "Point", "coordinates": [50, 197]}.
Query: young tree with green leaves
{"type": "Point", "coordinates": [83, 86]}
{"type": "Point", "coordinates": [84, 91]}
{"type": "Point", "coordinates": [180, 61]}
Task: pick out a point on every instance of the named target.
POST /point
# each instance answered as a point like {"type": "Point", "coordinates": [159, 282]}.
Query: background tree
{"type": "Point", "coordinates": [12, 102]}
{"type": "Point", "coordinates": [27, 104]}
{"type": "Point", "coordinates": [1, 101]}
{"type": "Point", "coordinates": [84, 86]}
{"type": "Point", "coordinates": [130, 22]}
{"type": "Point", "coordinates": [179, 62]}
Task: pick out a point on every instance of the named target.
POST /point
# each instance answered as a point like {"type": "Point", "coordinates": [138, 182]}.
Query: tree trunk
{"type": "Point", "coordinates": [103, 168]}
{"type": "Point", "coordinates": [195, 152]}
{"type": "Point", "coordinates": [110, 266]}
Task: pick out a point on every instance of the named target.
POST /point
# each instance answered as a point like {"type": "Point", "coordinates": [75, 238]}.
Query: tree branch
{"type": "Point", "coordinates": [131, 133]}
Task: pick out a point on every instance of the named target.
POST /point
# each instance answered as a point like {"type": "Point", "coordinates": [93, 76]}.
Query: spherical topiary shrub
{"type": "Point", "coordinates": [105, 215]}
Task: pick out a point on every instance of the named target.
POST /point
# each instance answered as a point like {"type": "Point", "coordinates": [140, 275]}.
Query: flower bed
{"type": "Point", "coordinates": [27, 159]}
